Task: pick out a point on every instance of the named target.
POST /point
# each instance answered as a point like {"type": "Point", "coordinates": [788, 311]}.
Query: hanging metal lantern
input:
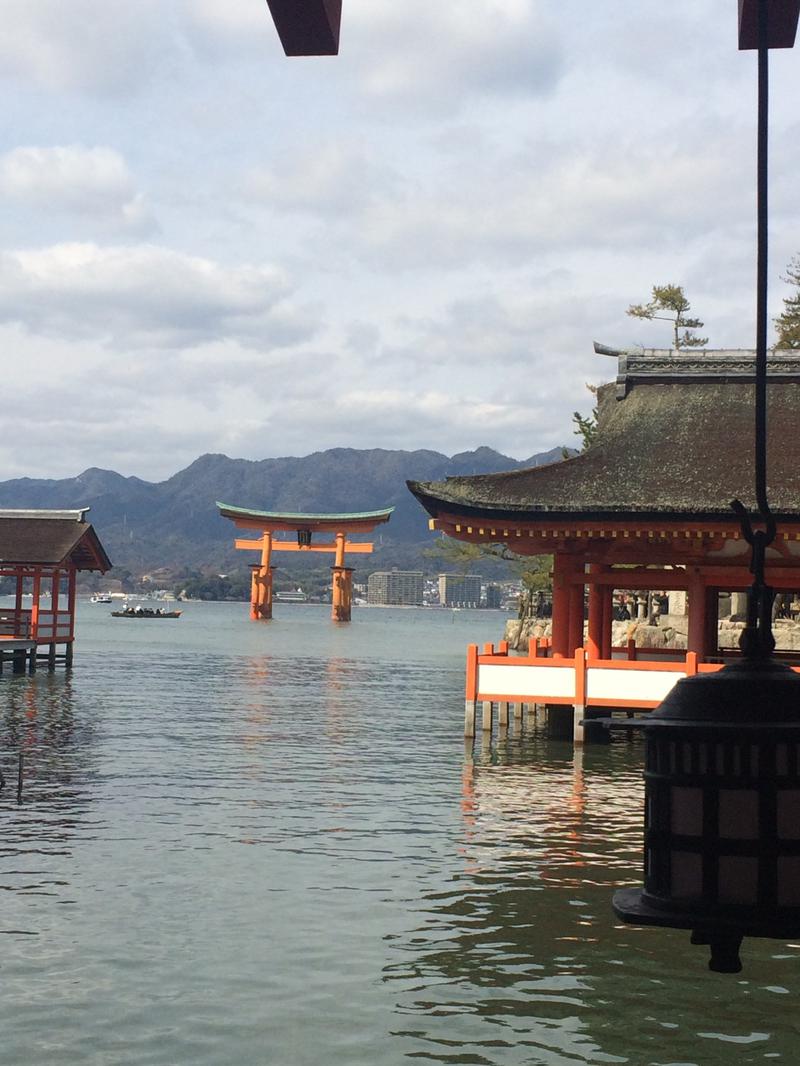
{"type": "Point", "coordinates": [722, 752]}
{"type": "Point", "coordinates": [722, 810]}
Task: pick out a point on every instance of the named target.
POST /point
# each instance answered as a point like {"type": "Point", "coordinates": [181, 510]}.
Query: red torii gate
{"type": "Point", "coordinates": [268, 523]}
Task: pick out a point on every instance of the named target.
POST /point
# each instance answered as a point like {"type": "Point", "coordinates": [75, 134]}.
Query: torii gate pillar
{"type": "Point", "coordinates": [261, 583]}
{"type": "Point", "coordinates": [342, 584]}
{"type": "Point", "coordinates": [342, 593]}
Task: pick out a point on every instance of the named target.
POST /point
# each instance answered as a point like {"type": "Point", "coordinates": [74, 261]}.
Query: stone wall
{"type": "Point", "coordinates": [670, 632]}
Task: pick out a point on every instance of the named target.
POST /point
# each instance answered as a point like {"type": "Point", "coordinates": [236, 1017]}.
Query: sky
{"type": "Point", "coordinates": [208, 247]}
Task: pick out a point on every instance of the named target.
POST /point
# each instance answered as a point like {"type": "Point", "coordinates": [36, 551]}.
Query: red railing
{"type": "Point", "coordinates": [52, 627]}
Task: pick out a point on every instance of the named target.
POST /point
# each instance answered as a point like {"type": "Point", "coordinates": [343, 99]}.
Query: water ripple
{"type": "Point", "coordinates": [229, 850]}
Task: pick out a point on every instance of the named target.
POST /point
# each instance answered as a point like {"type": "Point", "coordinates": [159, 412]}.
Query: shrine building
{"type": "Point", "coordinates": [42, 551]}
{"type": "Point", "coordinates": [269, 525]}
{"type": "Point", "coordinates": [645, 507]}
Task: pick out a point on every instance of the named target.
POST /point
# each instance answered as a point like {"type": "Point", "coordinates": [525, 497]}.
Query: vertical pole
{"type": "Point", "coordinates": [342, 584]}
{"type": "Point", "coordinates": [696, 640]}
{"type": "Point", "coordinates": [486, 718]}
{"type": "Point", "coordinates": [561, 605]}
{"type": "Point", "coordinates": [54, 591]}
{"type": "Point", "coordinates": [18, 631]}
{"type": "Point", "coordinates": [71, 600]}
{"type": "Point", "coordinates": [762, 261]}
{"type": "Point", "coordinates": [712, 621]}
{"type": "Point", "coordinates": [576, 598]}
{"type": "Point", "coordinates": [340, 545]}
{"type": "Point", "coordinates": [579, 707]}
{"type": "Point", "coordinates": [55, 588]}
{"type": "Point", "coordinates": [254, 593]}
{"type": "Point", "coordinates": [608, 622]}
{"type": "Point", "coordinates": [261, 582]}
{"type": "Point", "coordinates": [594, 634]}
{"type": "Point", "coordinates": [486, 724]}
{"type": "Point", "coordinates": [37, 587]}
{"type": "Point", "coordinates": [471, 691]}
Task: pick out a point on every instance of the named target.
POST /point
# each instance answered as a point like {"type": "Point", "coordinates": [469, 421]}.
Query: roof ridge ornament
{"type": "Point", "coordinates": [655, 366]}
{"type": "Point", "coordinates": [76, 514]}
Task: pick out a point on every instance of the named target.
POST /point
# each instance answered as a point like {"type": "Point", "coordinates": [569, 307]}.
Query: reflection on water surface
{"type": "Point", "coordinates": [265, 844]}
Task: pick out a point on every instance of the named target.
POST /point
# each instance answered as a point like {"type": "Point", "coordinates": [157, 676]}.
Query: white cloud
{"type": "Point", "coordinates": [146, 295]}
{"type": "Point", "coordinates": [413, 244]}
{"type": "Point", "coordinates": [440, 55]}
{"type": "Point", "coordinates": [331, 178]}
{"type": "Point", "coordinates": [81, 45]}
{"type": "Point", "coordinates": [93, 182]}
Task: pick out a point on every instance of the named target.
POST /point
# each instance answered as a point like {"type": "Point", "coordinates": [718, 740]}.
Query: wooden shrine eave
{"type": "Point", "coordinates": [661, 541]}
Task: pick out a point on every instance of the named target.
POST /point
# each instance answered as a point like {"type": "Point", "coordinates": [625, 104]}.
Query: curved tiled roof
{"type": "Point", "coordinates": [670, 448]}
{"type": "Point", "coordinates": [228, 511]}
{"type": "Point", "coordinates": [51, 538]}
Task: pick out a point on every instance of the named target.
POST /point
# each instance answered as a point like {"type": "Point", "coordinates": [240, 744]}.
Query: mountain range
{"type": "Point", "coordinates": [174, 523]}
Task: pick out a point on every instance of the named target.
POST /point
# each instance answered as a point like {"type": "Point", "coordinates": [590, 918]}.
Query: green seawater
{"type": "Point", "coordinates": [267, 844]}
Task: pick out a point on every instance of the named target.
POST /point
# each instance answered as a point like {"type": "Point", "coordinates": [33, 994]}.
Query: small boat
{"type": "Point", "coordinates": [100, 597]}
{"type": "Point", "coordinates": [145, 612]}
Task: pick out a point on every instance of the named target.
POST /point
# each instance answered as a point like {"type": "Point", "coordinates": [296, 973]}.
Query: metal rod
{"type": "Point", "coordinates": [762, 265]}
{"type": "Point", "coordinates": [757, 640]}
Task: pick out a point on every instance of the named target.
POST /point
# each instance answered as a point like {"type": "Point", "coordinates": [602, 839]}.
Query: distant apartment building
{"type": "Point", "coordinates": [460, 590]}
{"type": "Point", "coordinates": [494, 596]}
{"type": "Point", "coordinates": [398, 587]}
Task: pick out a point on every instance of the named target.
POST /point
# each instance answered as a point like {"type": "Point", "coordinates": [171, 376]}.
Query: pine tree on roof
{"type": "Point", "coordinates": [788, 322]}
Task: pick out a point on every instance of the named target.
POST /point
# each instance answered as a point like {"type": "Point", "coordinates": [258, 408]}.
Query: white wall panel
{"type": "Point", "coordinates": [527, 681]}
{"type": "Point", "coordinates": [610, 685]}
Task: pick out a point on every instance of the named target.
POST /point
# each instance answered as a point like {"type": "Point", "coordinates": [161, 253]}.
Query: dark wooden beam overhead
{"type": "Point", "coordinates": [307, 27]}
{"type": "Point", "coordinates": [783, 15]}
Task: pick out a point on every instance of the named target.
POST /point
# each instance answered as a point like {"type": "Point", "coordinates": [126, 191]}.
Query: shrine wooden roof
{"type": "Point", "coordinates": [674, 442]}
{"type": "Point", "coordinates": [51, 539]}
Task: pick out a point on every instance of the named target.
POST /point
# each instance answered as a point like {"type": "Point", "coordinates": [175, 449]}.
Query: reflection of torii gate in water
{"type": "Point", "coordinates": [268, 523]}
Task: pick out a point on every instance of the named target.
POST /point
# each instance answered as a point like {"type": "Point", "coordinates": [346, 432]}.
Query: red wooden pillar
{"type": "Point", "coordinates": [561, 603]}
{"type": "Point", "coordinates": [37, 588]}
{"type": "Point", "coordinates": [341, 584]}
{"type": "Point", "coordinates": [712, 621]}
{"type": "Point", "coordinates": [261, 583]}
{"type": "Point", "coordinates": [698, 602]}
{"type": "Point", "coordinates": [576, 595]}
{"type": "Point", "coordinates": [594, 635]}
{"type": "Point", "coordinates": [18, 630]}
{"type": "Point", "coordinates": [607, 612]}
{"type": "Point", "coordinates": [342, 593]}
{"type": "Point", "coordinates": [55, 588]}
{"type": "Point", "coordinates": [71, 602]}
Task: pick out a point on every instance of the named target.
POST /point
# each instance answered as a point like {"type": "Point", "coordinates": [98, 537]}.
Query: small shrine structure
{"type": "Point", "coordinates": [305, 526]}
{"type": "Point", "coordinates": [645, 507]}
{"type": "Point", "coordinates": [42, 551]}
